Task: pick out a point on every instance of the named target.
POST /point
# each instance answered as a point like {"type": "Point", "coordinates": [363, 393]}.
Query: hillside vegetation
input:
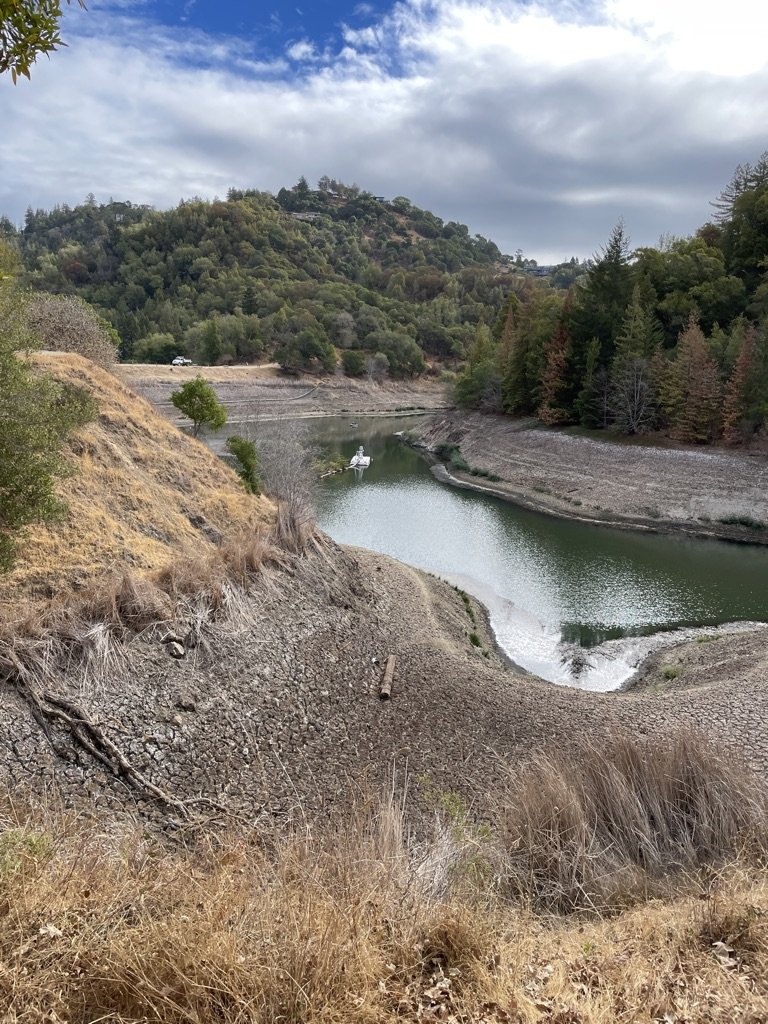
{"type": "Point", "coordinates": [673, 338]}
{"type": "Point", "coordinates": [297, 275]}
{"type": "Point", "coordinates": [141, 495]}
{"type": "Point", "coordinates": [670, 339]}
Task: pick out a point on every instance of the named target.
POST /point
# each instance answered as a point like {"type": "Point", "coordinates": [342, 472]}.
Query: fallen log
{"type": "Point", "coordinates": [386, 686]}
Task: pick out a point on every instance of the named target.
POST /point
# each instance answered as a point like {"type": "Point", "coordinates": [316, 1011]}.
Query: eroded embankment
{"type": "Point", "coordinates": [702, 492]}
{"type": "Point", "coordinates": [276, 709]}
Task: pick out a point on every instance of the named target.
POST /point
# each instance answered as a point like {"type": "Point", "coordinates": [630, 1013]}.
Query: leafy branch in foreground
{"type": "Point", "coordinates": [27, 29]}
{"type": "Point", "coordinates": [248, 468]}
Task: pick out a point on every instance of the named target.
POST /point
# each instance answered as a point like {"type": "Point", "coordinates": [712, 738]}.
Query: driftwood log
{"type": "Point", "coordinates": [386, 686]}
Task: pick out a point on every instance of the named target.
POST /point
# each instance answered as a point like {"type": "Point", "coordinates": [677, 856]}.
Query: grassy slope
{"type": "Point", "coordinates": [137, 483]}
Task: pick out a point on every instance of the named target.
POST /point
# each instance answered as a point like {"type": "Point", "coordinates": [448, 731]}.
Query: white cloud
{"type": "Point", "coordinates": [537, 124]}
{"type": "Point", "coordinates": [302, 50]}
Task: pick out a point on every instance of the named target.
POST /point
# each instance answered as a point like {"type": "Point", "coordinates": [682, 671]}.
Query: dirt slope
{"type": "Point", "coordinates": [698, 491]}
{"type": "Point", "coordinates": [252, 392]}
{"type": "Point", "coordinates": [141, 494]}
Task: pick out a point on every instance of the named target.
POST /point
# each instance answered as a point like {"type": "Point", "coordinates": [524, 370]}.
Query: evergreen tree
{"type": "Point", "coordinates": [632, 396]}
{"type": "Point", "coordinates": [479, 386]}
{"type": "Point", "coordinates": [736, 391]}
{"type": "Point", "coordinates": [601, 300]}
{"type": "Point", "coordinates": [553, 383]}
{"type": "Point", "coordinates": [698, 418]}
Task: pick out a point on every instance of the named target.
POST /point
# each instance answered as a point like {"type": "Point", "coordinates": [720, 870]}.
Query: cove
{"type": "Point", "coordinates": [571, 602]}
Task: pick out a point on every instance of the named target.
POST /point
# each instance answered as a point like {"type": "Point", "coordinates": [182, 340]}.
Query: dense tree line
{"type": "Point", "coordinates": [305, 276]}
{"type": "Point", "coordinates": [673, 338]}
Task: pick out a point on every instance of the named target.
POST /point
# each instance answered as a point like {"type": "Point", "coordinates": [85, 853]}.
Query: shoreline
{"type": "Point", "coordinates": [669, 527]}
{"type": "Point", "coordinates": [713, 495]}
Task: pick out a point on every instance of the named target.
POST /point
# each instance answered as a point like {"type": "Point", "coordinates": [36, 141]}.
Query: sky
{"type": "Point", "coordinates": [538, 124]}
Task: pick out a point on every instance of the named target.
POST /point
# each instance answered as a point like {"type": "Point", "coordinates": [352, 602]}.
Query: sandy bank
{"type": "Point", "coordinates": [700, 492]}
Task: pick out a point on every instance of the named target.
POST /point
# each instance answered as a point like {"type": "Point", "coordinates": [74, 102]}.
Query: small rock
{"type": "Point", "coordinates": [185, 702]}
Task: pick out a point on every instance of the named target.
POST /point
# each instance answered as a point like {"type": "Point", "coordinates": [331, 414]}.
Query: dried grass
{"type": "Point", "coordinates": [143, 496]}
{"type": "Point", "coordinates": [603, 827]}
{"type": "Point", "coordinates": [340, 927]}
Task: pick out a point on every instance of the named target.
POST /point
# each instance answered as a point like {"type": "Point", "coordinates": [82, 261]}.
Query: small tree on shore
{"type": "Point", "coordinates": [248, 467]}
{"type": "Point", "coordinates": [197, 400]}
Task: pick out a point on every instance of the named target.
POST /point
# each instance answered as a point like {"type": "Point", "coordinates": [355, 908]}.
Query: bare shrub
{"type": "Point", "coordinates": [63, 323]}
{"type": "Point", "coordinates": [287, 464]}
{"type": "Point", "coordinates": [610, 825]}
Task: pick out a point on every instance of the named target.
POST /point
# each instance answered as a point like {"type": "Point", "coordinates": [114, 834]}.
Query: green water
{"type": "Point", "coordinates": [552, 586]}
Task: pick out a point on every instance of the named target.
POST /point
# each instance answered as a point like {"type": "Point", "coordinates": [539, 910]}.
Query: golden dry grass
{"type": "Point", "coordinates": [137, 488]}
{"type": "Point", "coordinates": [354, 927]}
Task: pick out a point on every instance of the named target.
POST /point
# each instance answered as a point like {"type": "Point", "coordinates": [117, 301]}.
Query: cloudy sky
{"type": "Point", "coordinates": [538, 124]}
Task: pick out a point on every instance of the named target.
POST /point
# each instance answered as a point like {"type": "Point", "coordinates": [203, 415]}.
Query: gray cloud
{"type": "Point", "coordinates": [536, 132]}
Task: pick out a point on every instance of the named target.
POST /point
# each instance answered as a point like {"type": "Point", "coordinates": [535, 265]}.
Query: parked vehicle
{"type": "Point", "coordinates": [181, 361]}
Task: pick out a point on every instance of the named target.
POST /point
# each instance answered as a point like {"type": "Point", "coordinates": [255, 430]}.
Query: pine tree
{"type": "Point", "coordinates": [598, 310]}
{"type": "Point", "coordinates": [553, 382]}
{"type": "Point", "coordinates": [632, 395]}
{"type": "Point", "coordinates": [735, 403]}
{"type": "Point", "coordinates": [667, 386]}
{"type": "Point", "coordinates": [699, 415]}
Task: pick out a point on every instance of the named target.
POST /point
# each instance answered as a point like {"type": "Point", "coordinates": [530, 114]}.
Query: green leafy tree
{"type": "Point", "coordinates": [156, 348]}
{"type": "Point", "coordinates": [353, 363]}
{"type": "Point", "coordinates": [197, 400]}
{"type": "Point", "coordinates": [248, 467]}
{"type": "Point", "coordinates": [37, 415]}
{"type": "Point", "coordinates": [27, 29]}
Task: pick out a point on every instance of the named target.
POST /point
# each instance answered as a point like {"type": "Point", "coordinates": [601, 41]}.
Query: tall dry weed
{"type": "Point", "coordinates": [606, 826]}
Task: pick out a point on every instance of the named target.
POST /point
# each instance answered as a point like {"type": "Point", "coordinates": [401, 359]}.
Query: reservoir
{"type": "Point", "coordinates": [571, 602]}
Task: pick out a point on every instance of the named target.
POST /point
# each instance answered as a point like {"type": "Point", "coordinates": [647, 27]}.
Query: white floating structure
{"type": "Point", "coordinates": [360, 460]}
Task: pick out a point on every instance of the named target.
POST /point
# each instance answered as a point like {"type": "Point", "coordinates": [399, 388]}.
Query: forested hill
{"type": "Point", "coordinates": [673, 338]}
{"type": "Point", "coordinates": [299, 275]}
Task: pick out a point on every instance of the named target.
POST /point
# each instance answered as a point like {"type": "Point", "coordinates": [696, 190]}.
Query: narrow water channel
{"type": "Point", "coordinates": [570, 602]}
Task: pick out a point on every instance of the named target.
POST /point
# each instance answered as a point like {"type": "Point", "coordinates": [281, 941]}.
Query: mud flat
{"type": "Point", "coordinates": [261, 392]}
{"type": "Point", "coordinates": [710, 493]}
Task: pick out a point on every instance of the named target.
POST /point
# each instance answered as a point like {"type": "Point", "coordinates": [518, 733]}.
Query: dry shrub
{"type": "Point", "coordinates": [262, 927]}
{"type": "Point", "coordinates": [294, 529]}
{"type": "Point", "coordinates": [131, 602]}
{"type": "Point", "coordinates": [606, 826]}
{"type": "Point", "coordinates": [65, 323]}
